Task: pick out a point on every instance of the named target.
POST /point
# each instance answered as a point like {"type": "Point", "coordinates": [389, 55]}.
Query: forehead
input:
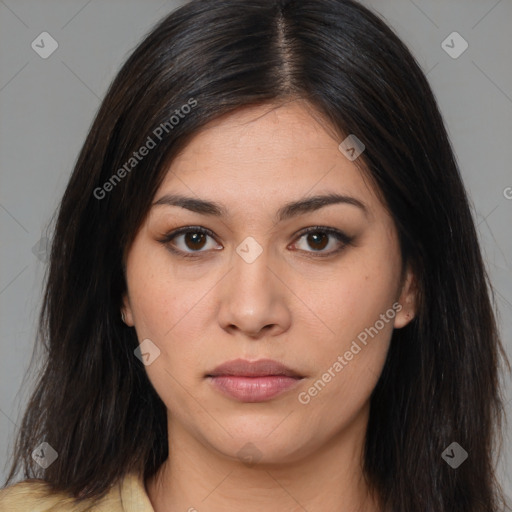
{"type": "Point", "coordinates": [264, 155]}
{"type": "Point", "coordinates": [266, 132]}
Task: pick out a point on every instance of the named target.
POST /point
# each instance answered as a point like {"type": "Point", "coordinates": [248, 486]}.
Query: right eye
{"type": "Point", "coordinates": [189, 240]}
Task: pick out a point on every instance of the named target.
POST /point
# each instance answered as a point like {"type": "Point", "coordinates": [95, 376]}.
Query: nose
{"type": "Point", "coordinates": [254, 299]}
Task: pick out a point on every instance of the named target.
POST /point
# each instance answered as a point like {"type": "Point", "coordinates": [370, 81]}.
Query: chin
{"type": "Point", "coordinates": [256, 446]}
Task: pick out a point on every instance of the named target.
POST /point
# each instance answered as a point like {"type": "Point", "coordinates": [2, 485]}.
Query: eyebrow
{"type": "Point", "coordinates": [286, 212]}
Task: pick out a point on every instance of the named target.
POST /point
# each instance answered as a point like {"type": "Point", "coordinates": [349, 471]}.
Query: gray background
{"type": "Point", "coordinates": [47, 106]}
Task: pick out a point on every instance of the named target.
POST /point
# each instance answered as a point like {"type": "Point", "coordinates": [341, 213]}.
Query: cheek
{"type": "Point", "coordinates": [356, 305]}
{"type": "Point", "coordinates": [161, 300]}
{"type": "Point", "coordinates": [170, 313]}
{"type": "Point", "coordinates": [354, 297]}
{"type": "Point", "coordinates": [347, 370]}
{"type": "Point", "coordinates": [176, 324]}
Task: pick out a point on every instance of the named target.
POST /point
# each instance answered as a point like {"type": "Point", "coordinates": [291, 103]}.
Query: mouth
{"type": "Point", "coordinates": [253, 381]}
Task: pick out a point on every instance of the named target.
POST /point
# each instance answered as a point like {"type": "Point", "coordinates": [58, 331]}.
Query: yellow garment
{"type": "Point", "coordinates": [128, 495]}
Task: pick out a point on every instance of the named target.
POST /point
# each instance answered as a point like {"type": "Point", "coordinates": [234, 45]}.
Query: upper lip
{"type": "Point", "coordinates": [260, 368]}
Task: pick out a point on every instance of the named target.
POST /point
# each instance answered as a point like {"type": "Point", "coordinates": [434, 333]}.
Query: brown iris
{"type": "Point", "coordinates": [318, 241]}
{"type": "Point", "coordinates": [195, 241]}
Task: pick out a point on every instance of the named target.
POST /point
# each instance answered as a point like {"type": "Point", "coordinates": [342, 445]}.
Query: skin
{"type": "Point", "coordinates": [289, 304]}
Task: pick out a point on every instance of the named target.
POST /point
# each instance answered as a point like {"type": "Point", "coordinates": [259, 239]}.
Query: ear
{"type": "Point", "coordinates": [126, 311]}
{"type": "Point", "coordinates": [407, 300]}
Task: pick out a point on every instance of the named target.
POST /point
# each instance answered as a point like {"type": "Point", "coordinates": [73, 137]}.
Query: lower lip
{"type": "Point", "coordinates": [253, 389]}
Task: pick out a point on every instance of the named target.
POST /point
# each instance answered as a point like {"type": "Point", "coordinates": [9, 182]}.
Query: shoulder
{"type": "Point", "coordinates": [37, 496]}
{"type": "Point", "coordinates": [33, 496]}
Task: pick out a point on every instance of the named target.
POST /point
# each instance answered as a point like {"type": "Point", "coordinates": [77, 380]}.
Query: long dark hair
{"type": "Point", "coordinates": [94, 403]}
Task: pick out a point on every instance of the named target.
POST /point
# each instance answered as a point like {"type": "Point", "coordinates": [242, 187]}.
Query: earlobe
{"type": "Point", "coordinates": [407, 301]}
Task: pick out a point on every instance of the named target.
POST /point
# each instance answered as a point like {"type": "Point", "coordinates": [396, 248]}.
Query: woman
{"type": "Point", "coordinates": [265, 285]}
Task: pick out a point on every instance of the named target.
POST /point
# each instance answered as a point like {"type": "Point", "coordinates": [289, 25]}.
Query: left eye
{"type": "Point", "coordinates": [322, 240]}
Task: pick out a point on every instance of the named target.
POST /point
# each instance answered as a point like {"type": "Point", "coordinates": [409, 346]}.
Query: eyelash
{"type": "Point", "coordinates": [339, 235]}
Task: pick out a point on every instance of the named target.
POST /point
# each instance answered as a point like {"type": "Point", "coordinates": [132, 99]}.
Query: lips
{"type": "Point", "coordinates": [260, 368]}
{"type": "Point", "coordinates": [253, 381]}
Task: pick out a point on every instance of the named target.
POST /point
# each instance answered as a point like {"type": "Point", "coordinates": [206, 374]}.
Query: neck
{"type": "Point", "coordinates": [196, 477]}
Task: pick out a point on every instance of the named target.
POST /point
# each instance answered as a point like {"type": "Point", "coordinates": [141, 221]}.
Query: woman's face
{"type": "Point", "coordinates": [255, 286]}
